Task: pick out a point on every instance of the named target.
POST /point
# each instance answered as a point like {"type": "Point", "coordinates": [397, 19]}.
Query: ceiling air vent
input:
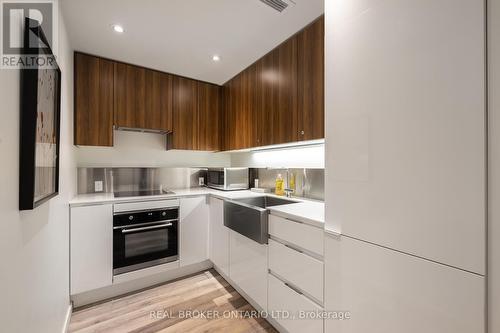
{"type": "Point", "coordinates": [278, 5]}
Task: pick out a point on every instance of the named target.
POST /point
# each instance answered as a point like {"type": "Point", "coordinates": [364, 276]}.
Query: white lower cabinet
{"type": "Point", "coordinates": [193, 226]}
{"type": "Point", "coordinates": [293, 265]}
{"type": "Point", "coordinates": [292, 310]}
{"type": "Point", "coordinates": [386, 291]}
{"type": "Point", "coordinates": [248, 267]}
{"type": "Point", "coordinates": [91, 248]}
{"type": "Point", "coordinates": [219, 236]}
{"type": "Point", "coordinates": [295, 232]}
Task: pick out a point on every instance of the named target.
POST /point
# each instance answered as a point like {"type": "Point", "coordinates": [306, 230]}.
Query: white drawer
{"type": "Point", "coordinates": [302, 270]}
{"type": "Point", "coordinates": [283, 298]}
{"type": "Point", "coordinates": [303, 235]}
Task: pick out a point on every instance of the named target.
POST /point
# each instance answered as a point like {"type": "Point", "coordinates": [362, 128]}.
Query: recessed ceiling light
{"type": "Point", "coordinates": [215, 57]}
{"type": "Point", "coordinates": [118, 28]}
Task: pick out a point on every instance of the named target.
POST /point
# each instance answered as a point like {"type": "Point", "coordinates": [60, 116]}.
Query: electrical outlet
{"type": "Point", "coordinates": [201, 181]}
{"type": "Point", "coordinates": [98, 186]}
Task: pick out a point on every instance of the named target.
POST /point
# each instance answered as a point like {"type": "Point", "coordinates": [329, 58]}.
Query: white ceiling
{"type": "Point", "coordinates": [180, 36]}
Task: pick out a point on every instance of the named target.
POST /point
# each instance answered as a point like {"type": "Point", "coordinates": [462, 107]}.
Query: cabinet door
{"type": "Point", "coordinates": [248, 267]}
{"type": "Point", "coordinates": [209, 117]}
{"type": "Point", "coordinates": [310, 81]}
{"type": "Point", "coordinates": [129, 96]}
{"type": "Point", "coordinates": [416, 165]}
{"type": "Point", "coordinates": [267, 78]}
{"type": "Point", "coordinates": [239, 110]}
{"type": "Point", "coordinates": [232, 114]}
{"type": "Point", "coordinates": [91, 248]}
{"type": "Point", "coordinates": [259, 114]}
{"type": "Point", "coordinates": [285, 116]}
{"type": "Point", "coordinates": [219, 236]}
{"type": "Point", "coordinates": [277, 94]}
{"type": "Point", "coordinates": [185, 131]}
{"type": "Point", "coordinates": [247, 108]}
{"type": "Point", "coordinates": [93, 101]}
{"type": "Point", "coordinates": [158, 115]}
{"type": "Point", "coordinates": [194, 230]}
{"type": "Point", "coordinates": [390, 292]}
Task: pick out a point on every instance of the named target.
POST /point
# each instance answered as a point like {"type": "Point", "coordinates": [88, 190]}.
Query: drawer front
{"type": "Point", "coordinates": [283, 298]}
{"type": "Point", "coordinates": [302, 270]}
{"type": "Point", "coordinates": [303, 235]}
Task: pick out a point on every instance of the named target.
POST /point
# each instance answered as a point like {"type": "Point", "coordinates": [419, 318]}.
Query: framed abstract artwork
{"type": "Point", "coordinates": [40, 121]}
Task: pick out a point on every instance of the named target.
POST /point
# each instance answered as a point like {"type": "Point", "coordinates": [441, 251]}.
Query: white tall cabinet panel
{"type": "Point", "coordinates": [219, 236]}
{"type": "Point", "coordinates": [193, 224]}
{"type": "Point", "coordinates": [248, 267]}
{"type": "Point", "coordinates": [494, 165]}
{"type": "Point", "coordinates": [389, 292]}
{"type": "Point", "coordinates": [91, 247]}
{"type": "Point", "coordinates": [405, 120]}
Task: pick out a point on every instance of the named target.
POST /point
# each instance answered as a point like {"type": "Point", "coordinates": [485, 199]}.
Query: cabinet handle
{"type": "Point", "coordinates": [294, 248]}
{"type": "Point", "coordinates": [293, 288]}
{"type": "Point", "coordinates": [302, 132]}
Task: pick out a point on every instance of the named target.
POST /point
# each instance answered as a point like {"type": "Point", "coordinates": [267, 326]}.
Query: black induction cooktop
{"type": "Point", "coordinates": [141, 193]}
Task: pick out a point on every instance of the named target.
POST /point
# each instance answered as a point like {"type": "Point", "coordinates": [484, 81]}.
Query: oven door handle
{"type": "Point", "coordinates": [160, 226]}
{"type": "Point", "coordinates": [145, 224]}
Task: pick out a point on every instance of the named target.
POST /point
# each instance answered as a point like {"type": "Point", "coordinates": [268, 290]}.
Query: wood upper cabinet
{"type": "Point", "coordinates": [280, 98]}
{"type": "Point", "coordinates": [284, 113]}
{"type": "Point", "coordinates": [185, 114]}
{"type": "Point", "coordinates": [230, 90]}
{"type": "Point", "coordinates": [93, 122]}
{"type": "Point", "coordinates": [130, 96]}
{"type": "Point", "coordinates": [261, 101]}
{"type": "Point", "coordinates": [275, 95]}
{"type": "Point", "coordinates": [209, 117]}
{"type": "Point", "coordinates": [239, 99]}
{"type": "Point", "coordinates": [159, 104]}
{"type": "Point", "coordinates": [143, 98]}
{"type": "Point", "coordinates": [228, 97]}
{"type": "Point", "coordinates": [311, 91]}
{"type": "Point", "coordinates": [267, 97]}
{"type": "Point", "coordinates": [110, 93]}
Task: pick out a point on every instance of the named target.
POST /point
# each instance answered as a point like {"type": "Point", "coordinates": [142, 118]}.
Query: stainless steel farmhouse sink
{"type": "Point", "coordinates": [249, 216]}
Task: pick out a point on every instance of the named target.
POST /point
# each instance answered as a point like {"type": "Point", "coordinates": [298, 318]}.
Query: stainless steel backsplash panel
{"type": "Point", "coordinates": [309, 183]}
{"type": "Point", "coordinates": [131, 179]}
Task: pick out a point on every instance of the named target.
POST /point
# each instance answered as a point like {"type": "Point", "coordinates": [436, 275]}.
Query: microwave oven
{"type": "Point", "coordinates": [228, 179]}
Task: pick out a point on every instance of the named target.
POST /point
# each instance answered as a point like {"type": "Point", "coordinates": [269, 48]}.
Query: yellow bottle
{"type": "Point", "coordinates": [280, 185]}
{"type": "Point", "coordinates": [292, 181]}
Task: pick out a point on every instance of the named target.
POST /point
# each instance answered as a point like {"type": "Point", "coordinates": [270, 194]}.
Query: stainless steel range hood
{"type": "Point", "coordinates": [142, 130]}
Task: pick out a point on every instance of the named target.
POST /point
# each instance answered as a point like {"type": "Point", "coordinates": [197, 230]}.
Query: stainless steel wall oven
{"type": "Point", "coordinates": [145, 237]}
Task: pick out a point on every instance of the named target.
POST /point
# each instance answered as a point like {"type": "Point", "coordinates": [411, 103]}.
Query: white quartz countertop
{"type": "Point", "coordinates": [105, 198]}
{"type": "Point", "coordinates": [307, 211]}
{"type": "Point", "coordinates": [310, 212]}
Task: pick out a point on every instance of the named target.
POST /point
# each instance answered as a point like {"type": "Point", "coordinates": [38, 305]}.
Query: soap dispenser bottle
{"type": "Point", "coordinates": [280, 185]}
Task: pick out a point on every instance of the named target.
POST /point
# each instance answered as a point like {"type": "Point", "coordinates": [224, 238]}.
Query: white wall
{"type": "Point", "coordinates": [133, 149]}
{"type": "Point", "coordinates": [301, 157]}
{"type": "Point", "coordinates": [34, 251]}
{"type": "Point", "coordinates": [494, 165]}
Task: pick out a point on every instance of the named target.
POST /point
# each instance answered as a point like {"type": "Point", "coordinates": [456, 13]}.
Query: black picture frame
{"type": "Point", "coordinates": [29, 117]}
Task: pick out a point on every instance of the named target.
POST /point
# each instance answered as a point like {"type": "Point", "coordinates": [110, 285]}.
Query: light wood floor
{"type": "Point", "coordinates": [206, 291]}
